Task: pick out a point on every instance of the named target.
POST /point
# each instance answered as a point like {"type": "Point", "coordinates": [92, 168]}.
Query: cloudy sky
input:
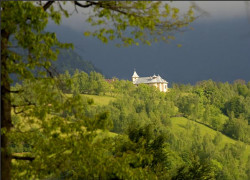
{"type": "Point", "coordinates": [217, 48]}
{"type": "Point", "coordinates": [219, 9]}
{"type": "Point", "coordinates": [213, 11]}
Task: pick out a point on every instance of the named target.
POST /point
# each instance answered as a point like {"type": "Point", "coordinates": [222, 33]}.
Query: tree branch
{"type": "Point", "coordinates": [47, 5]}
{"type": "Point", "coordinates": [22, 158]}
{"type": "Point", "coordinates": [28, 104]}
{"type": "Point", "coordinates": [11, 91]}
{"type": "Point", "coordinates": [100, 4]}
{"type": "Point", "coordinates": [113, 8]}
{"type": "Point", "coordinates": [22, 111]}
{"type": "Point", "coordinates": [82, 5]}
{"type": "Point", "coordinates": [16, 91]}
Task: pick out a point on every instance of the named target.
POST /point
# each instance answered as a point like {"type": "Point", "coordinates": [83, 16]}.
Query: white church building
{"type": "Point", "coordinates": [154, 80]}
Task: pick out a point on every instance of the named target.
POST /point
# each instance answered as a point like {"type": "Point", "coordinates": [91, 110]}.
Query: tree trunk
{"type": "Point", "coordinates": [5, 127]}
{"type": "Point", "coordinates": [5, 110]}
{"type": "Point", "coordinates": [6, 123]}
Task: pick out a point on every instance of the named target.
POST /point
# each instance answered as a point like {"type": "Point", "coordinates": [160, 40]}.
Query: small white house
{"type": "Point", "coordinates": [154, 80]}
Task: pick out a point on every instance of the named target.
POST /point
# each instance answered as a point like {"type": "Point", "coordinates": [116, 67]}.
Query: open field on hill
{"type": "Point", "coordinates": [100, 100]}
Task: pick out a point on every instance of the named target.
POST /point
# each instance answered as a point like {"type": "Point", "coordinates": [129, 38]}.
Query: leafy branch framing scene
{"type": "Point", "coordinates": [61, 118]}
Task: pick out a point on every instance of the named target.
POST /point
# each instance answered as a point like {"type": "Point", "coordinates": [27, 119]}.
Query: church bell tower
{"type": "Point", "coordinates": [135, 76]}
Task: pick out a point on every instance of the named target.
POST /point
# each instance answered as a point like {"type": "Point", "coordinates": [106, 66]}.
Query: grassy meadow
{"type": "Point", "coordinates": [100, 100]}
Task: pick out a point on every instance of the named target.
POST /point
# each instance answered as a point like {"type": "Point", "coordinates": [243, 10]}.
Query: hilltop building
{"type": "Point", "coordinates": [154, 80]}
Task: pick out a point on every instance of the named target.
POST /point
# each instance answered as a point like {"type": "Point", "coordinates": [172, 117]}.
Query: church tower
{"type": "Point", "coordinates": [135, 76]}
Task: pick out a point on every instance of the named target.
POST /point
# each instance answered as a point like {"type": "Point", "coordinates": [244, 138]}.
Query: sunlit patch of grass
{"type": "Point", "coordinates": [100, 100]}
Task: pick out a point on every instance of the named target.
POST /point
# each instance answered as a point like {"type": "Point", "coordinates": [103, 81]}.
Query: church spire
{"type": "Point", "coordinates": [135, 76]}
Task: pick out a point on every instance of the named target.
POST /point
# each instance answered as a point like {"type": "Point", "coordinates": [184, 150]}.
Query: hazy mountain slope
{"type": "Point", "coordinates": [70, 60]}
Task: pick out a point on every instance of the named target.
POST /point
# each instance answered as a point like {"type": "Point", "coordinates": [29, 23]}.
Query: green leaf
{"type": "Point", "coordinates": [87, 33]}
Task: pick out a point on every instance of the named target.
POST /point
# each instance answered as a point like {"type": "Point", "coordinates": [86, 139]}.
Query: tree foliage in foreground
{"type": "Point", "coordinates": [27, 51]}
{"type": "Point", "coordinates": [49, 134]}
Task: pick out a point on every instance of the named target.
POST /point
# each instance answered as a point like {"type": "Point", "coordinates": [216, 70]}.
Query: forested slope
{"type": "Point", "coordinates": [86, 127]}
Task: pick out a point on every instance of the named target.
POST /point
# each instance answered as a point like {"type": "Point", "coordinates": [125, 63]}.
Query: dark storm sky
{"type": "Point", "coordinates": [218, 48]}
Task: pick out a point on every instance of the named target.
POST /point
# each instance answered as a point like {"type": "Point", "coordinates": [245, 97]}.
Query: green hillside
{"type": "Point", "coordinates": [115, 125]}
{"type": "Point", "coordinates": [179, 125]}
